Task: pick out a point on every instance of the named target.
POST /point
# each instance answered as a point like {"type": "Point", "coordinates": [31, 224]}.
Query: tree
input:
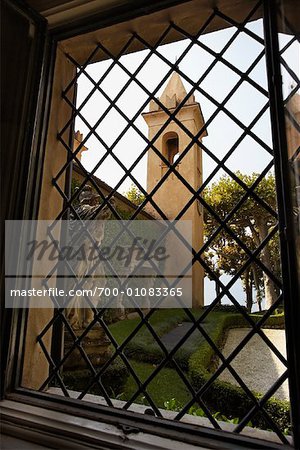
{"type": "Point", "coordinates": [134, 195]}
{"type": "Point", "coordinates": [251, 224]}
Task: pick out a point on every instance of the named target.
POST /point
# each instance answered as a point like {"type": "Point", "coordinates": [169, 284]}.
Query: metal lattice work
{"type": "Point", "coordinates": [199, 395]}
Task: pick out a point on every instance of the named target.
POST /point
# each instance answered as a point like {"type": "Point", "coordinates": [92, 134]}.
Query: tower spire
{"type": "Point", "coordinates": [173, 94]}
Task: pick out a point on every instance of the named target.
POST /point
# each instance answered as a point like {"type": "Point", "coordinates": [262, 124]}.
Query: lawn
{"type": "Point", "coordinates": [144, 353]}
{"type": "Point", "coordinates": [196, 358]}
{"type": "Point", "coordinates": [166, 385]}
{"type": "Point", "coordinates": [143, 346]}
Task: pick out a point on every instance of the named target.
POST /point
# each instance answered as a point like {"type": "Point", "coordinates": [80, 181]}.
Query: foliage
{"type": "Point", "coordinates": [174, 405]}
{"type": "Point", "coordinates": [166, 384]}
{"type": "Point", "coordinates": [162, 321]}
{"type": "Point", "coordinates": [225, 308]}
{"type": "Point", "coordinates": [231, 400]}
{"type": "Point", "coordinates": [226, 401]}
{"type": "Point", "coordinates": [238, 321]}
{"type": "Point", "coordinates": [134, 195]}
{"type": "Point", "coordinates": [113, 379]}
{"type": "Point", "coordinates": [202, 357]}
{"type": "Point", "coordinates": [234, 402]}
{"type": "Point", "coordinates": [251, 224]}
{"type": "Point", "coordinates": [143, 347]}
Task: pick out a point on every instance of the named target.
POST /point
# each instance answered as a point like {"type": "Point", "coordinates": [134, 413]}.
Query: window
{"type": "Point", "coordinates": [169, 115]}
{"type": "Point", "coordinates": [170, 150]}
{"type": "Point", "coordinates": [172, 147]}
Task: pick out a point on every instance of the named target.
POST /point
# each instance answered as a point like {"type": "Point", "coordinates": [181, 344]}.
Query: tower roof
{"type": "Point", "coordinates": [173, 94]}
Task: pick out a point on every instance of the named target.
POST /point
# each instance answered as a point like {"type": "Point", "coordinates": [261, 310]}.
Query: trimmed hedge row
{"type": "Point", "coordinates": [238, 321]}
{"type": "Point", "coordinates": [232, 401]}
{"type": "Point", "coordinates": [113, 379]}
{"type": "Point", "coordinates": [227, 398]}
{"type": "Point", "coordinates": [198, 358]}
{"type": "Point", "coordinates": [143, 347]}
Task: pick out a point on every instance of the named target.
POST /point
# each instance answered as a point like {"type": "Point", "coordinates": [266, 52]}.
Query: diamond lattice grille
{"type": "Point", "coordinates": [246, 125]}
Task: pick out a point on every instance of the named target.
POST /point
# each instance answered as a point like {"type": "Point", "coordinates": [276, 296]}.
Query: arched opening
{"type": "Point", "coordinates": [171, 147]}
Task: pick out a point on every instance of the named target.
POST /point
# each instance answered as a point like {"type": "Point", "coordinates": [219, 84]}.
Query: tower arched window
{"type": "Point", "coordinates": [171, 146]}
{"type": "Point", "coordinates": [172, 149]}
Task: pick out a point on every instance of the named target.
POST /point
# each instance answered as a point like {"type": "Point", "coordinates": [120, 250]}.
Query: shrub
{"type": "Point", "coordinates": [225, 308]}
{"type": "Point", "coordinates": [277, 409]}
{"type": "Point", "coordinates": [232, 401]}
{"type": "Point", "coordinates": [239, 321]}
{"type": "Point", "coordinates": [222, 396]}
{"type": "Point", "coordinates": [113, 379]}
{"type": "Point", "coordinates": [196, 357]}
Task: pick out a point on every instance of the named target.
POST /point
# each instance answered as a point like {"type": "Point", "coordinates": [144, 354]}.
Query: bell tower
{"type": "Point", "coordinates": [173, 195]}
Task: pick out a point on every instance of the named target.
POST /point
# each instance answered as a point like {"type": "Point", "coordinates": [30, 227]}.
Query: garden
{"type": "Point", "coordinates": [195, 359]}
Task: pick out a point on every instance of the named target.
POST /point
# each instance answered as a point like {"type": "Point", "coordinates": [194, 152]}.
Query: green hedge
{"type": "Point", "coordinates": [232, 401]}
{"type": "Point", "coordinates": [238, 321]}
{"type": "Point", "coordinates": [198, 358]}
{"type": "Point", "coordinates": [227, 398]}
{"type": "Point", "coordinates": [113, 379]}
{"type": "Point", "coordinates": [143, 346]}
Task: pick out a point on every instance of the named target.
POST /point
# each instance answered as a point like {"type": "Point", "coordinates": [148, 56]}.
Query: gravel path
{"type": "Point", "coordinates": [256, 364]}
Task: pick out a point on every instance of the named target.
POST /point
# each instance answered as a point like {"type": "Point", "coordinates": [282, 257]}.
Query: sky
{"type": "Point", "coordinates": [245, 104]}
{"type": "Point", "coordinates": [222, 132]}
